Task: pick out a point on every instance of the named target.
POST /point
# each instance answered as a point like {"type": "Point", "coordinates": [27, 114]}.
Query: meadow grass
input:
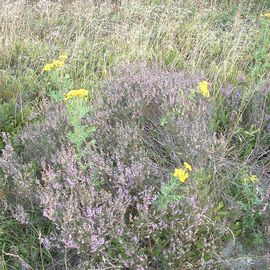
{"type": "Point", "coordinates": [226, 42]}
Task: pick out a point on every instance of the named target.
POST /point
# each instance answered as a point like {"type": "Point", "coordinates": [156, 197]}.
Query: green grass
{"type": "Point", "coordinates": [23, 243]}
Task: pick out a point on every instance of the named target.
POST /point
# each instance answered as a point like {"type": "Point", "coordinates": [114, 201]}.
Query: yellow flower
{"type": "Point", "coordinates": [203, 89]}
{"type": "Point", "coordinates": [48, 67]}
{"type": "Point", "coordinates": [63, 57]}
{"type": "Point", "coordinates": [253, 178]}
{"type": "Point", "coordinates": [76, 93]}
{"type": "Point", "coordinates": [56, 63]}
{"type": "Point", "coordinates": [181, 174]}
{"type": "Point", "coordinates": [53, 65]}
{"type": "Point", "coordinates": [267, 15]}
{"type": "Point", "coordinates": [188, 166]}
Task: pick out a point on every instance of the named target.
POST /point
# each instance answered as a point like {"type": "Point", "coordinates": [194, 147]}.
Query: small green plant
{"type": "Point", "coordinates": [169, 193]}
{"type": "Point", "coordinates": [80, 135]}
{"type": "Point", "coordinates": [22, 245]}
{"type": "Point", "coordinates": [11, 120]}
{"type": "Point", "coordinates": [220, 211]}
{"type": "Point", "coordinates": [249, 198]}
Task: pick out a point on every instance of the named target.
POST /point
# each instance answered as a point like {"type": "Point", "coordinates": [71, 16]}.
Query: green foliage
{"type": "Point", "coordinates": [11, 120]}
{"type": "Point", "coordinates": [58, 82]}
{"type": "Point", "coordinates": [23, 244]}
{"type": "Point", "coordinates": [220, 211]}
{"type": "Point", "coordinates": [261, 55]}
{"type": "Point", "coordinates": [249, 225]}
{"type": "Point", "coordinates": [169, 193]}
{"type": "Point", "coordinates": [81, 135]}
{"type": "Point", "coordinates": [18, 96]}
{"type": "Point", "coordinates": [246, 138]}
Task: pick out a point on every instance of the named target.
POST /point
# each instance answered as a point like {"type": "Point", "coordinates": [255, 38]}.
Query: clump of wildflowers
{"type": "Point", "coordinates": [76, 93]}
{"type": "Point", "coordinates": [267, 15]}
{"type": "Point", "coordinates": [182, 174]}
{"type": "Point", "coordinates": [111, 200]}
{"type": "Point", "coordinates": [203, 89]}
{"type": "Point", "coordinates": [59, 62]}
{"type": "Point", "coordinates": [251, 178]}
{"type": "Point", "coordinates": [188, 166]}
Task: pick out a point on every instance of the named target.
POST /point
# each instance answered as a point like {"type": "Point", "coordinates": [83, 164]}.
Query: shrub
{"type": "Point", "coordinates": [44, 134]}
{"type": "Point", "coordinates": [173, 120]}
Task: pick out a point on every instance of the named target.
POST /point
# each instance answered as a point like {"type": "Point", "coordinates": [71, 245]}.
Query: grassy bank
{"type": "Point", "coordinates": [144, 115]}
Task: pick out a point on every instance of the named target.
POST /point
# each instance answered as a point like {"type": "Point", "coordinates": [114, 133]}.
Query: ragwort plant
{"type": "Point", "coordinates": [77, 109]}
{"type": "Point", "coordinates": [77, 105]}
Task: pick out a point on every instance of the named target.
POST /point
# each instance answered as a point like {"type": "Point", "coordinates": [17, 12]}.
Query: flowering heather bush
{"type": "Point", "coordinates": [173, 120]}
{"type": "Point", "coordinates": [148, 122]}
{"type": "Point", "coordinates": [45, 134]}
{"type": "Point", "coordinates": [16, 174]}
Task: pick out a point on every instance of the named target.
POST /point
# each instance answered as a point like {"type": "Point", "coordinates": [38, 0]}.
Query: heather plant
{"type": "Point", "coordinates": [144, 97]}
{"type": "Point", "coordinates": [216, 185]}
{"type": "Point", "coordinates": [134, 185]}
{"type": "Point", "coordinates": [105, 223]}
{"type": "Point", "coordinates": [46, 126]}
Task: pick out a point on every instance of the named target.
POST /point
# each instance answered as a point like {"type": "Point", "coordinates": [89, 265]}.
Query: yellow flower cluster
{"type": "Point", "coordinates": [267, 15]}
{"type": "Point", "coordinates": [188, 166]}
{"type": "Point", "coordinates": [59, 62]}
{"type": "Point", "coordinates": [251, 178]}
{"type": "Point", "coordinates": [203, 89]}
{"type": "Point", "coordinates": [182, 174]}
{"type": "Point", "coordinates": [76, 93]}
